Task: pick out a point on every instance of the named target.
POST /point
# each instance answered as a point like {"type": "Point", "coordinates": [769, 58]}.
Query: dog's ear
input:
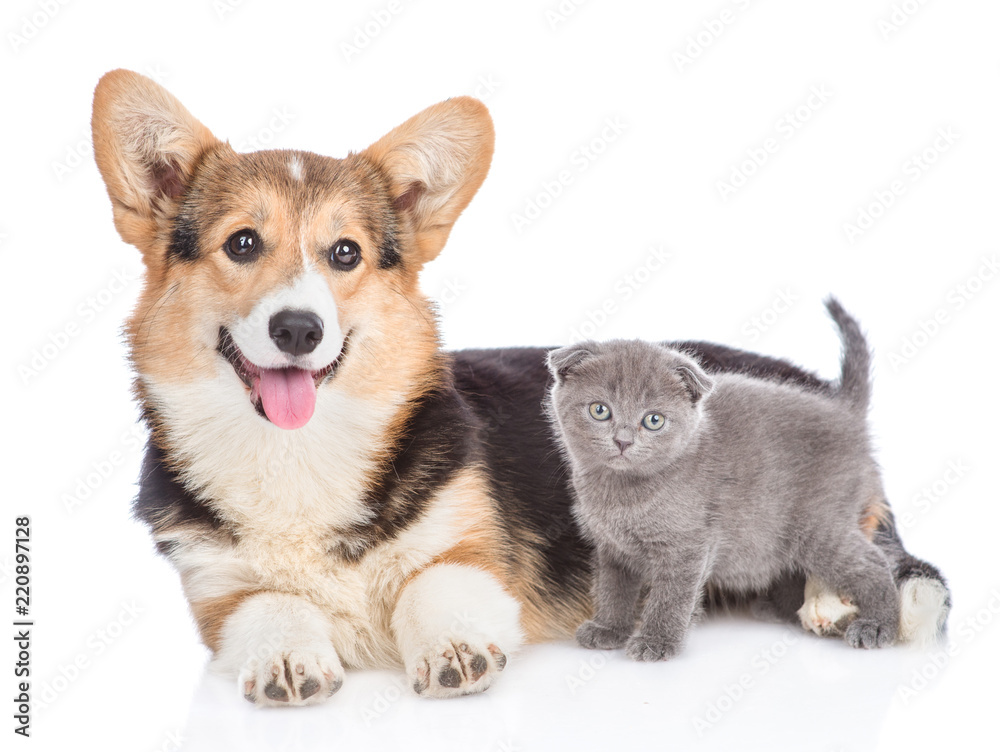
{"type": "Point", "coordinates": [147, 146]}
{"type": "Point", "coordinates": [436, 162]}
{"type": "Point", "coordinates": [565, 359]}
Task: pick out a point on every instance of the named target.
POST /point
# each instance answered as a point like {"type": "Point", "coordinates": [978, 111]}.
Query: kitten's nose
{"type": "Point", "coordinates": [623, 444]}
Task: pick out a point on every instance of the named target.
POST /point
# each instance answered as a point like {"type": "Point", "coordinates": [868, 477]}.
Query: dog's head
{"type": "Point", "coordinates": [285, 269]}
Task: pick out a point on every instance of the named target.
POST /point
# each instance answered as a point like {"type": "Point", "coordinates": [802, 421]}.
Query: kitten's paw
{"type": "Point", "coordinates": [642, 647]}
{"type": "Point", "coordinates": [595, 637]}
{"type": "Point", "coordinates": [456, 668]}
{"type": "Point", "coordinates": [824, 611]}
{"type": "Point", "coordinates": [869, 633]}
{"type": "Point", "coordinates": [292, 677]}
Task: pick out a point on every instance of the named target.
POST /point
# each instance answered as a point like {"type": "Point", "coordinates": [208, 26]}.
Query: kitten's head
{"type": "Point", "coordinates": [625, 405]}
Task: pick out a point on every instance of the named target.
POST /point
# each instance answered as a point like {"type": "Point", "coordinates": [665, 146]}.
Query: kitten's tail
{"type": "Point", "coordinates": [856, 359]}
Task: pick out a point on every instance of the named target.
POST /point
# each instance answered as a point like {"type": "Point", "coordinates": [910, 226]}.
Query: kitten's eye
{"type": "Point", "coordinates": [600, 411]}
{"type": "Point", "coordinates": [345, 254]}
{"type": "Point", "coordinates": [242, 245]}
{"type": "Point", "coordinates": [654, 421]}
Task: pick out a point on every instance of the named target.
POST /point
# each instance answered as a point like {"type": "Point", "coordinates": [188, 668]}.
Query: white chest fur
{"type": "Point", "coordinates": [289, 495]}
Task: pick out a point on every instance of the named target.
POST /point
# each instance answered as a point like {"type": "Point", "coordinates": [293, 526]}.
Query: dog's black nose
{"type": "Point", "coordinates": [296, 332]}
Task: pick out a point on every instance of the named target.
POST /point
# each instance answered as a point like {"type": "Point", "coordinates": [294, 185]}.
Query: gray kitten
{"type": "Point", "coordinates": [683, 480]}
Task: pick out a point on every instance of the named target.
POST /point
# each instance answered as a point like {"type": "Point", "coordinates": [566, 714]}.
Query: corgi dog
{"type": "Point", "coordinates": [334, 489]}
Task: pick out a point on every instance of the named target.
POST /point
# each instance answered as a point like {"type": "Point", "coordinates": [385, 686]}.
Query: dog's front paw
{"type": "Point", "coordinates": [292, 677]}
{"type": "Point", "coordinates": [456, 667]}
{"type": "Point", "coordinates": [824, 612]}
{"type": "Point", "coordinates": [869, 633]}
{"type": "Point", "coordinates": [592, 635]}
{"type": "Point", "coordinates": [643, 647]}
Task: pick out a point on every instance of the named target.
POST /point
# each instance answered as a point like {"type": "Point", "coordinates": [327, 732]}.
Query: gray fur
{"type": "Point", "coordinates": [748, 481]}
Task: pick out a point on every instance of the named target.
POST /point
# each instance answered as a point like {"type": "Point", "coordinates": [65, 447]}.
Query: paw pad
{"type": "Point", "coordinates": [457, 668]}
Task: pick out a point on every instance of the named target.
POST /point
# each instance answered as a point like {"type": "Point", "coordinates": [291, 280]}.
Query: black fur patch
{"type": "Point", "coordinates": [389, 255]}
{"type": "Point", "coordinates": [183, 241]}
{"type": "Point", "coordinates": [163, 501]}
{"type": "Point", "coordinates": [507, 388]}
{"type": "Point", "coordinates": [721, 359]}
{"type": "Point", "coordinates": [437, 441]}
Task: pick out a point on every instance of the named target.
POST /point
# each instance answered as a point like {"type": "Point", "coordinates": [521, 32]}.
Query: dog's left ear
{"type": "Point", "coordinates": [436, 162]}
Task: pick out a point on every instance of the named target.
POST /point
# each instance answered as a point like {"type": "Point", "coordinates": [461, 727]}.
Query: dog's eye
{"type": "Point", "coordinates": [242, 245]}
{"type": "Point", "coordinates": [600, 411]}
{"type": "Point", "coordinates": [654, 421]}
{"type": "Point", "coordinates": [345, 254]}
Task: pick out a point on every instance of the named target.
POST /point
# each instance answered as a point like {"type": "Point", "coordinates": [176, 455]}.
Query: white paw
{"type": "Point", "coordinates": [455, 667]}
{"type": "Point", "coordinates": [924, 604]}
{"type": "Point", "coordinates": [454, 626]}
{"type": "Point", "coordinates": [824, 611]}
{"type": "Point", "coordinates": [278, 646]}
{"type": "Point", "coordinates": [292, 677]}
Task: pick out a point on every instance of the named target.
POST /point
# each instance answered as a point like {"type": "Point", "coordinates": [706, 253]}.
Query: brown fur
{"type": "Point", "coordinates": [877, 514]}
{"type": "Point", "coordinates": [211, 614]}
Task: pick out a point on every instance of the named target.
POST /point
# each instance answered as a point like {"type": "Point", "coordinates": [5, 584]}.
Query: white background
{"type": "Point", "coordinates": [287, 77]}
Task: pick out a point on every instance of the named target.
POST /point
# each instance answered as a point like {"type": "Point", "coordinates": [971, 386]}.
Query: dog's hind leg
{"type": "Point", "coordinates": [924, 597]}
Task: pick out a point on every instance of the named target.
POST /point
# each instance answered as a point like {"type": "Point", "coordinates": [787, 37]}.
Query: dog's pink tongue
{"type": "Point", "coordinates": [288, 396]}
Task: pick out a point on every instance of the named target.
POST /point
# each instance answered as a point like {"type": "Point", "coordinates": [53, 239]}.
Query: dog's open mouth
{"type": "Point", "coordinates": [285, 396]}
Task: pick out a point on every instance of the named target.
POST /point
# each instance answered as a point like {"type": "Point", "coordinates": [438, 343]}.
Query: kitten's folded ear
{"type": "Point", "coordinates": [695, 380]}
{"type": "Point", "coordinates": [565, 359]}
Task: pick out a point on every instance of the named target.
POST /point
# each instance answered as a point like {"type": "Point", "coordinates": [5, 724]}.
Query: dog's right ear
{"type": "Point", "coordinates": [565, 359]}
{"type": "Point", "coordinates": [147, 146]}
